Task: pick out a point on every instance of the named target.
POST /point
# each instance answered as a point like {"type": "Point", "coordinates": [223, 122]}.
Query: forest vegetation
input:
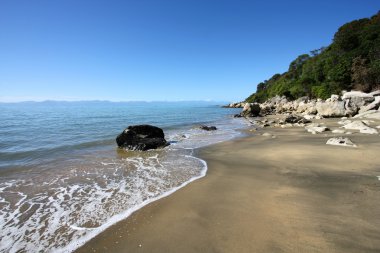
{"type": "Point", "coordinates": [350, 62]}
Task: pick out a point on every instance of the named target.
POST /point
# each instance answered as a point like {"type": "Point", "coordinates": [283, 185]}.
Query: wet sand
{"type": "Point", "coordinates": [291, 193]}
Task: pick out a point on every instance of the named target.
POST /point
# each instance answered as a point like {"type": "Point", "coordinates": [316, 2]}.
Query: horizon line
{"type": "Point", "coordinates": [108, 101]}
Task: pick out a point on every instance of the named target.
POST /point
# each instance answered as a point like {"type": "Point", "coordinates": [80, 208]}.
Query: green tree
{"type": "Point", "coordinates": [351, 61]}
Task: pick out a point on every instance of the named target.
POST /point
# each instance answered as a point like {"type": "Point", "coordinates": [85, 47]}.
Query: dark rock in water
{"type": "Point", "coordinates": [208, 128]}
{"type": "Point", "coordinates": [238, 116]}
{"type": "Point", "coordinates": [141, 137]}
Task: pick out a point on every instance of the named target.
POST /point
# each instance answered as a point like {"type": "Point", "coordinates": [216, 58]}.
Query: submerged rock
{"type": "Point", "coordinates": [208, 128]}
{"type": "Point", "coordinates": [341, 141]}
{"type": "Point", "coordinates": [141, 137]}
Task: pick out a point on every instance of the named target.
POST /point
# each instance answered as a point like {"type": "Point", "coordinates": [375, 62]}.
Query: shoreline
{"type": "Point", "coordinates": [290, 193]}
{"type": "Point", "coordinates": [74, 246]}
{"type": "Point", "coordinates": [69, 189]}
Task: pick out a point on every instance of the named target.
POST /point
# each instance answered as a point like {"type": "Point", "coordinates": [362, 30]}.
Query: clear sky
{"type": "Point", "coordinates": [158, 49]}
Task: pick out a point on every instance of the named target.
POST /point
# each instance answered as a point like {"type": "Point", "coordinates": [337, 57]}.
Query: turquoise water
{"type": "Point", "coordinates": [62, 179]}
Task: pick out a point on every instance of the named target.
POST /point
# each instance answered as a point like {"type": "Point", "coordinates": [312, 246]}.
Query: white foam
{"type": "Point", "coordinates": [65, 211]}
{"type": "Point", "coordinates": [121, 216]}
{"type": "Point", "coordinates": [103, 163]}
{"type": "Point", "coordinates": [80, 228]}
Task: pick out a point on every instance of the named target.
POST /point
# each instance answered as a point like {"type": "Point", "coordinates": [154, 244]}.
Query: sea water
{"type": "Point", "coordinates": [63, 180]}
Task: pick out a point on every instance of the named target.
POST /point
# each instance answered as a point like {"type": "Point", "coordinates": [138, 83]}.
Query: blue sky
{"type": "Point", "coordinates": [158, 49]}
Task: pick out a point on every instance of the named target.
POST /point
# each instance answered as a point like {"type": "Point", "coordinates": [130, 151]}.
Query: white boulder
{"type": "Point", "coordinates": [309, 117]}
{"type": "Point", "coordinates": [361, 126]}
{"type": "Point", "coordinates": [338, 131]}
{"type": "Point", "coordinates": [355, 100]}
{"type": "Point", "coordinates": [331, 109]}
{"type": "Point", "coordinates": [341, 141]}
{"type": "Point", "coordinates": [316, 128]}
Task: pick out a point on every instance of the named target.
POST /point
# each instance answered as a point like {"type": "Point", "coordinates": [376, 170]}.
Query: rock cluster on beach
{"type": "Point", "coordinates": [358, 112]}
{"type": "Point", "coordinates": [141, 137]}
{"type": "Point", "coordinates": [353, 103]}
{"type": "Point", "coordinates": [236, 105]}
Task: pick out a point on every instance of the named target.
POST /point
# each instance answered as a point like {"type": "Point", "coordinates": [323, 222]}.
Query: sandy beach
{"type": "Point", "coordinates": [289, 192]}
{"type": "Point", "coordinates": [190, 126]}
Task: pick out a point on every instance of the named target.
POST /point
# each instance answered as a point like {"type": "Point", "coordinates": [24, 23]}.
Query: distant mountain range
{"type": "Point", "coordinates": [52, 102]}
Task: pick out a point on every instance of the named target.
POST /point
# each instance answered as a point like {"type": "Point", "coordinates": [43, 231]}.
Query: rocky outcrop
{"type": "Point", "coordinates": [208, 128]}
{"type": "Point", "coordinates": [355, 100]}
{"type": "Point", "coordinates": [235, 105]}
{"type": "Point", "coordinates": [141, 137]}
{"type": "Point", "coordinates": [349, 104]}
{"type": "Point", "coordinates": [308, 108]}
{"type": "Point", "coordinates": [307, 113]}
{"type": "Point", "coordinates": [273, 105]}
{"type": "Point", "coordinates": [251, 110]}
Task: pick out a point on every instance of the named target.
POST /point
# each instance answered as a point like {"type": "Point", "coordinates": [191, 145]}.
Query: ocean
{"type": "Point", "coordinates": [63, 180]}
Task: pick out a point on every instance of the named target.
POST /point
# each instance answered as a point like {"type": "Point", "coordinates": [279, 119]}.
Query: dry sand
{"type": "Point", "coordinates": [291, 193]}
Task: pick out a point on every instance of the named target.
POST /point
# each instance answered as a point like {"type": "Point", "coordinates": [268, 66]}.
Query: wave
{"type": "Point", "coordinates": [36, 156]}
